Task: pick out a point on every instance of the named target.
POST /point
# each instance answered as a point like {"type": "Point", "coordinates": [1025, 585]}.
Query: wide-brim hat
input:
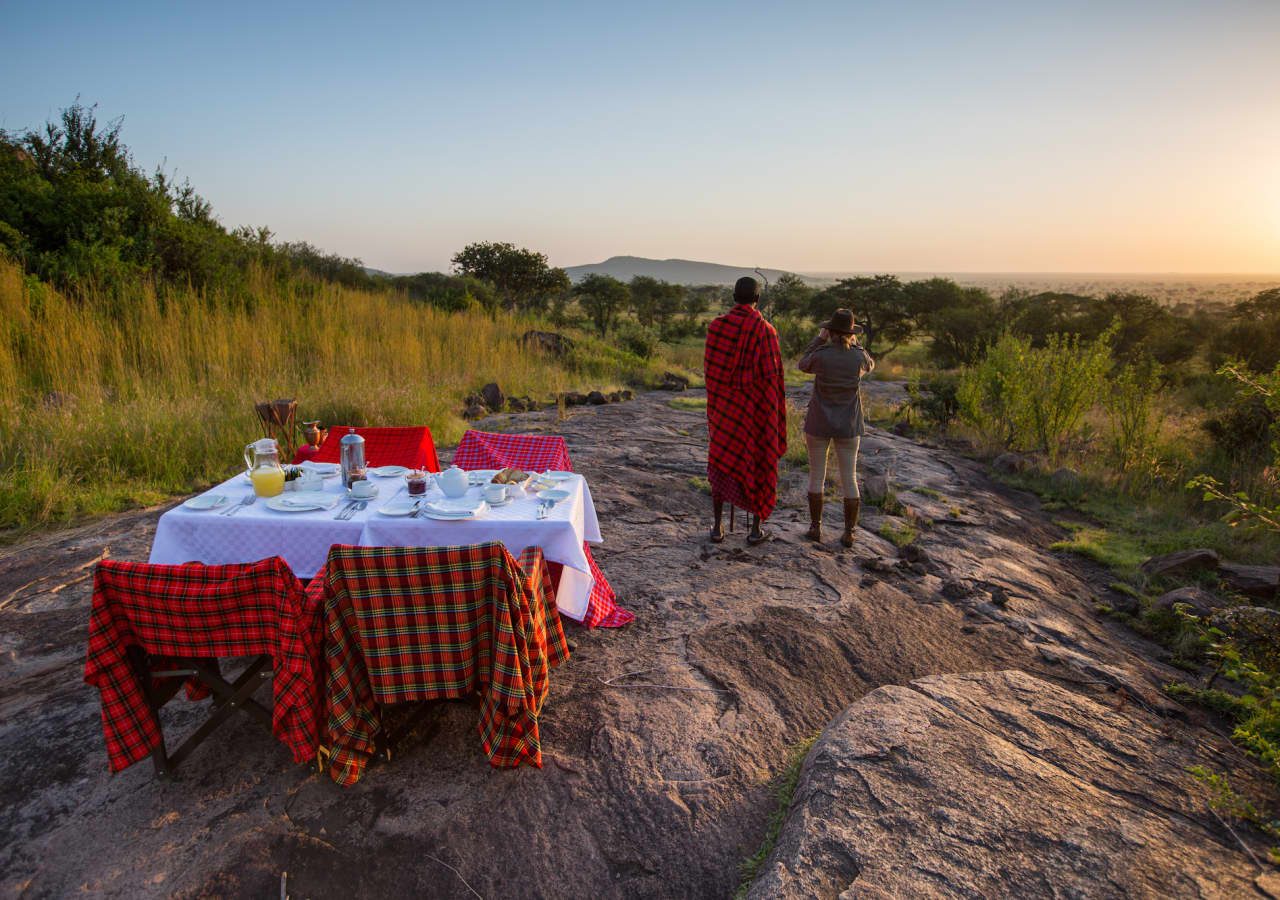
{"type": "Point", "coordinates": [842, 323]}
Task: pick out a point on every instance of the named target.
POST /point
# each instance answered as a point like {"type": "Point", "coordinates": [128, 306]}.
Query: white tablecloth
{"type": "Point", "coordinates": [303, 538]}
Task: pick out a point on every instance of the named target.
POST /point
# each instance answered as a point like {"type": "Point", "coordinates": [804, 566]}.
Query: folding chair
{"type": "Point", "coordinates": [155, 628]}
{"type": "Point", "coordinates": [411, 624]}
{"type": "Point", "coordinates": [409, 446]}
{"type": "Point", "coordinates": [539, 452]}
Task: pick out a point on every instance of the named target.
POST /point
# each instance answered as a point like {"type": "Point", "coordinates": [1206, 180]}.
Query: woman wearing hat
{"type": "Point", "coordinates": [837, 361]}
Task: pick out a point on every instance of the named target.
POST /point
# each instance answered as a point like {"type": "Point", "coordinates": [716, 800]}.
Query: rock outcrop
{"type": "Point", "coordinates": [661, 741]}
{"type": "Point", "coordinates": [994, 784]}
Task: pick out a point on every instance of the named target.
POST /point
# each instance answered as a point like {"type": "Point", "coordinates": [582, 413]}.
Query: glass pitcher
{"type": "Point", "coordinates": [263, 459]}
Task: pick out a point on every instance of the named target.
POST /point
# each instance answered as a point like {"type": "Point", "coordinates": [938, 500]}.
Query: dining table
{"type": "Point", "coordinates": [229, 524]}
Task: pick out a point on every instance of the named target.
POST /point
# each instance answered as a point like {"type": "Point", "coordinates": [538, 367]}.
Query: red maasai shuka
{"type": "Point", "coordinates": [746, 409]}
{"type": "Point", "coordinates": [538, 453]}
{"type": "Point", "coordinates": [194, 610]}
{"type": "Point", "coordinates": [410, 624]}
{"type": "Point", "coordinates": [410, 446]}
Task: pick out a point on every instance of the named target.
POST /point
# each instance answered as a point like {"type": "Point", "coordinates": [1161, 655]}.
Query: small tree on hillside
{"type": "Point", "coordinates": [521, 277]}
{"type": "Point", "coordinates": [602, 298]}
{"type": "Point", "coordinates": [880, 305]}
{"type": "Point", "coordinates": [790, 296]}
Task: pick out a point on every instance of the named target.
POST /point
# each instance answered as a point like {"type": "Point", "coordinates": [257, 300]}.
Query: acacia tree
{"type": "Point", "coordinates": [880, 304]}
{"type": "Point", "coordinates": [603, 298]}
{"type": "Point", "coordinates": [656, 302]}
{"type": "Point", "coordinates": [520, 276]}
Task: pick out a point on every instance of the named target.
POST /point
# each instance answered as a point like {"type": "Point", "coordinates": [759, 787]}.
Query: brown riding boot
{"type": "Point", "coordinates": [815, 517]}
{"type": "Point", "coordinates": [852, 506]}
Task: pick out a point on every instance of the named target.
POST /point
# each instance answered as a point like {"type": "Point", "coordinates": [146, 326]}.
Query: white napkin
{"type": "Point", "coordinates": [310, 499]}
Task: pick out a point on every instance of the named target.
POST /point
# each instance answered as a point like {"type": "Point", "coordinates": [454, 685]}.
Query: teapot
{"type": "Point", "coordinates": [452, 481]}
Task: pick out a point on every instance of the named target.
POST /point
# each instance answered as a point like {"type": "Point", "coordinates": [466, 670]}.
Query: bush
{"type": "Point", "coordinates": [637, 339]}
{"type": "Point", "coordinates": [1035, 398]}
{"type": "Point", "coordinates": [1130, 406]}
{"type": "Point", "coordinates": [935, 401]}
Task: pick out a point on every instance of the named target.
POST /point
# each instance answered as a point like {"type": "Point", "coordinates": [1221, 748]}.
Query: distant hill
{"type": "Point", "coordinates": [677, 271]}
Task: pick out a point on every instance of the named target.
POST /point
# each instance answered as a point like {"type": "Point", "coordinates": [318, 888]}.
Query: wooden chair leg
{"type": "Point", "coordinates": [229, 697]}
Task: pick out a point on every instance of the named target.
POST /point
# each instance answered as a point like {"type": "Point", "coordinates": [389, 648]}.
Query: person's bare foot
{"type": "Point", "coordinates": [717, 534]}
{"type": "Point", "coordinates": [758, 534]}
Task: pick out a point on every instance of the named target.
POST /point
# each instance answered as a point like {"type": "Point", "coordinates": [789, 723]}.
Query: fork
{"type": "Point", "coordinates": [543, 508]}
{"type": "Point", "coordinates": [247, 501]}
{"type": "Point", "coordinates": [350, 511]}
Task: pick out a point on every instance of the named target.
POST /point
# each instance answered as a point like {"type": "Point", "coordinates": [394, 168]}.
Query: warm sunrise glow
{"type": "Point", "coordinates": [1135, 137]}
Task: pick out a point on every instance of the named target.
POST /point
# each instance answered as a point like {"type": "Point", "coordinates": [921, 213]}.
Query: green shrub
{"type": "Point", "coordinates": [1130, 406]}
{"type": "Point", "coordinates": [1035, 398]}
{"type": "Point", "coordinates": [637, 339]}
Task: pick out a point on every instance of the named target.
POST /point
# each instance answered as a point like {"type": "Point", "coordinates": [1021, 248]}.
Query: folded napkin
{"type": "Point", "coordinates": [310, 500]}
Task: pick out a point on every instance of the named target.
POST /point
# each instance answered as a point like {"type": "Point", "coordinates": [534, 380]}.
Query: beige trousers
{"type": "Point", "coordinates": [846, 458]}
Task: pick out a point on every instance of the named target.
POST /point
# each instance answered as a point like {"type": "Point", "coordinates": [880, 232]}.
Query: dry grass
{"type": "Point", "coordinates": [118, 401]}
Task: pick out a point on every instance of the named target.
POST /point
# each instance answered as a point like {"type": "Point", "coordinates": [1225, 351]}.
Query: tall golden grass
{"type": "Point", "coordinates": [109, 402]}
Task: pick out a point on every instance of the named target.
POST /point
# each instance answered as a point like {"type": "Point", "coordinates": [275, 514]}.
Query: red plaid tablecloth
{"type": "Point", "coordinates": [408, 446]}
{"type": "Point", "coordinates": [407, 624]}
{"type": "Point", "coordinates": [538, 453]}
{"type": "Point", "coordinates": [195, 610]}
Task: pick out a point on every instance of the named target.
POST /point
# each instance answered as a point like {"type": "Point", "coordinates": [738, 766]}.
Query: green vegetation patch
{"type": "Point", "coordinates": [687, 403]}
{"type": "Point", "coordinates": [898, 535]}
{"type": "Point", "coordinates": [785, 791]}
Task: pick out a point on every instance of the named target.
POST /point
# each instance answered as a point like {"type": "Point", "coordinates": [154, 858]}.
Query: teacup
{"type": "Point", "coordinates": [362, 489]}
{"type": "Point", "coordinates": [495, 493]}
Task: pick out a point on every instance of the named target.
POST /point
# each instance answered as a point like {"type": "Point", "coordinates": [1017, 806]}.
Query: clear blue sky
{"type": "Point", "coordinates": [952, 136]}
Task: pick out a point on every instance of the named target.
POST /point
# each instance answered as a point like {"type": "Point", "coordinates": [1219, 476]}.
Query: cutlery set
{"type": "Point", "coordinates": [247, 501]}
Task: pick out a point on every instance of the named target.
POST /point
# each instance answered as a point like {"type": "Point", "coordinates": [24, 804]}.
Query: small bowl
{"type": "Point", "coordinates": [555, 495]}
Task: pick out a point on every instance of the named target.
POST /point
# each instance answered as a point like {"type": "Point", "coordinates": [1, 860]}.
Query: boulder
{"type": "Point", "coordinates": [492, 397]}
{"type": "Point", "coordinates": [673, 382]}
{"type": "Point", "coordinates": [1065, 480]}
{"type": "Point", "coordinates": [573, 398]}
{"type": "Point", "coordinates": [1258, 582]}
{"type": "Point", "coordinates": [996, 784]}
{"type": "Point", "coordinates": [875, 488]}
{"type": "Point", "coordinates": [1183, 562]}
{"type": "Point", "coordinates": [519, 404]}
{"type": "Point", "coordinates": [626, 395]}
{"type": "Point", "coordinates": [475, 411]}
{"type": "Point", "coordinates": [914, 553]}
{"type": "Point", "coordinates": [596, 398]}
{"type": "Point", "coordinates": [615, 397]}
{"type": "Point", "coordinates": [1009, 463]}
{"type": "Point", "coordinates": [1201, 602]}
{"type": "Point", "coordinates": [547, 342]}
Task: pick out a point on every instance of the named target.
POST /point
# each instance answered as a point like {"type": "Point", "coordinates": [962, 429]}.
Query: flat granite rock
{"type": "Point", "coordinates": [995, 784]}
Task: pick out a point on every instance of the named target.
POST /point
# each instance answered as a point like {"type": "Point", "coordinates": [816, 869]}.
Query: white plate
{"type": "Point", "coordinates": [302, 501]}
{"type": "Point", "coordinates": [555, 495]}
{"type": "Point", "coordinates": [445, 517]}
{"type": "Point", "coordinates": [456, 504]}
{"type": "Point", "coordinates": [326, 470]}
{"type": "Point", "coordinates": [206, 501]}
{"type": "Point", "coordinates": [389, 471]}
{"type": "Point", "coordinates": [557, 476]}
{"type": "Point", "coordinates": [481, 476]}
{"type": "Point", "coordinates": [399, 507]}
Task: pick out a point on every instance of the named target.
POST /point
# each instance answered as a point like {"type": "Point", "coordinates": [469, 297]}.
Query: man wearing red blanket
{"type": "Point", "coordinates": [746, 411]}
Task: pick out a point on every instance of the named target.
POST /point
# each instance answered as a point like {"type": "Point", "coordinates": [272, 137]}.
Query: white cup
{"type": "Point", "coordinates": [495, 493]}
{"type": "Point", "coordinates": [362, 489]}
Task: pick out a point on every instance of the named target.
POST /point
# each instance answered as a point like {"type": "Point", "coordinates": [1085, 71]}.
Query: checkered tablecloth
{"type": "Point", "coordinates": [409, 446]}
{"type": "Point", "coordinates": [201, 611]}
{"type": "Point", "coordinates": [538, 453]}
{"type": "Point", "coordinates": [411, 624]}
